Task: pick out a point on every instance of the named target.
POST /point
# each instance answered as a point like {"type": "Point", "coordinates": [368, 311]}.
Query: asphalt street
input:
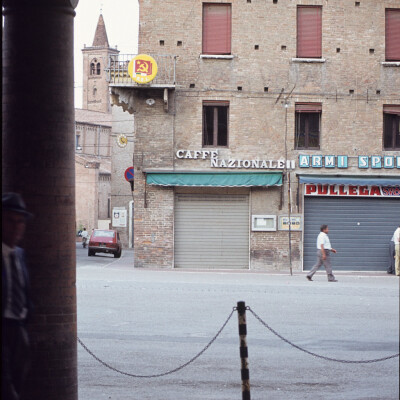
{"type": "Point", "coordinates": [147, 322]}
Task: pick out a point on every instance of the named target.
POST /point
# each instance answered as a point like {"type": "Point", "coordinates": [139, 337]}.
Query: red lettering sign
{"type": "Point", "coordinates": [323, 190]}
{"type": "Point", "coordinates": [363, 191]}
{"type": "Point", "coordinates": [332, 191]}
{"type": "Point", "coordinates": [310, 189]}
{"type": "Point", "coordinates": [375, 191]}
{"type": "Point", "coordinates": [352, 190]}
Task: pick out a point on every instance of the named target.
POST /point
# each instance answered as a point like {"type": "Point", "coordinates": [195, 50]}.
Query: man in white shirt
{"type": "Point", "coordinates": [324, 249]}
{"type": "Point", "coordinates": [85, 236]}
{"type": "Point", "coordinates": [396, 237]}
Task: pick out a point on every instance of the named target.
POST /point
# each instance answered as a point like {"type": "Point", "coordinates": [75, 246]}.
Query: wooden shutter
{"type": "Point", "coordinates": [392, 33]}
{"type": "Point", "coordinates": [216, 28]}
{"type": "Point", "coordinates": [309, 32]}
{"type": "Point", "coordinates": [309, 107]}
{"type": "Point", "coordinates": [391, 109]}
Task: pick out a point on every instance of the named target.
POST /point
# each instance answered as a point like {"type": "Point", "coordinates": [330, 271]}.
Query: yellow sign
{"type": "Point", "coordinates": [142, 68]}
{"type": "Point", "coordinates": [122, 140]}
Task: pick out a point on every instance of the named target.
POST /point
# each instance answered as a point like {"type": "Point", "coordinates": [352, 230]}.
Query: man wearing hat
{"type": "Point", "coordinates": [16, 303]}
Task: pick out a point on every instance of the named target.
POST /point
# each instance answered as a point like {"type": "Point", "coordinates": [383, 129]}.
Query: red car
{"type": "Point", "coordinates": [105, 241]}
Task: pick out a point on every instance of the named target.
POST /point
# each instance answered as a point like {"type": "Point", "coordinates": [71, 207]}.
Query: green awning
{"type": "Point", "coordinates": [216, 179]}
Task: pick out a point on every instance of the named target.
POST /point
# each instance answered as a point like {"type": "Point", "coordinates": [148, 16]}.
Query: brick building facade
{"type": "Point", "coordinates": [273, 109]}
{"type": "Point", "coordinates": [93, 126]}
{"type": "Point", "coordinates": [92, 169]}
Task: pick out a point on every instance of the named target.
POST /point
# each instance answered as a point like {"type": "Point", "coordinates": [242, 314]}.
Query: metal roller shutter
{"type": "Point", "coordinates": [212, 231]}
{"type": "Point", "coordinates": [359, 229]}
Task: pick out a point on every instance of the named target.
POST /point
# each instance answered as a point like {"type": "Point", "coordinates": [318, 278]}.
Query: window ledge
{"type": "Point", "coordinates": [309, 60]}
{"type": "Point", "coordinates": [391, 63]}
{"type": "Point", "coordinates": [217, 56]}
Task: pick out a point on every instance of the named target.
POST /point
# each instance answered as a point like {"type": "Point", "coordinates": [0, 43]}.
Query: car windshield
{"type": "Point", "coordinates": [103, 234]}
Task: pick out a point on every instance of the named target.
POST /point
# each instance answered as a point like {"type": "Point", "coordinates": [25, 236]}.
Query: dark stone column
{"type": "Point", "coordinates": [38, 162]}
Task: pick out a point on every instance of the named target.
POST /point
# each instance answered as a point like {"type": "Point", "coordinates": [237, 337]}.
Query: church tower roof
{"type": "Point", "coordinates": [100, 37]}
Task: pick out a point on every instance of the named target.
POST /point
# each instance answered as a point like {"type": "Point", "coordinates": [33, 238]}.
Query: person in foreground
{"type": "Point", "coordinates": [16, 305]}
{"type": "Point", "coordinates": [396, 237]}
{"type": "Point", "coordinates": [323, 255]}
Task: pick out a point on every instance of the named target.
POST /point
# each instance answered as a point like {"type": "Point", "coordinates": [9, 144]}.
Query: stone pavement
{"type": "Point", "coordinates": [150, 321]}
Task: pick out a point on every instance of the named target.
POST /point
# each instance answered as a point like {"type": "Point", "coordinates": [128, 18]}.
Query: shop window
{"type": "Point", "coordinates": [217, 28]}
{"type": "Point", "coordinates": [309, 31]}
{"type": "Point", "coordinates": [392, 34]}
{"type": "Point", "coordinates": [391, 127]}
{"type": "Point", "coordinates": [215, 123]}
{"type": "Point", "coordinates": [308, 125]}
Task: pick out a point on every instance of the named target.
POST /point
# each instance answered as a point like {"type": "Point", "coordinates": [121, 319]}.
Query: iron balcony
{"type": "Point", "coordinates": [118, 76]}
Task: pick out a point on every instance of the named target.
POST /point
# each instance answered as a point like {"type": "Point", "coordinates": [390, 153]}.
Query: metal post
{"type": "Point", "coordinates": [241, 309]}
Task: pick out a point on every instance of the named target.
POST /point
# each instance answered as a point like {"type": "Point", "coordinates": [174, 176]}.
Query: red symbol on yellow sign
{"type": "Point", "coordinates": [142, 68]}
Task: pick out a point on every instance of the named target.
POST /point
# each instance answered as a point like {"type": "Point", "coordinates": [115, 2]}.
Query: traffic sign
{"type": "Point", "coordinates": [129, 174]}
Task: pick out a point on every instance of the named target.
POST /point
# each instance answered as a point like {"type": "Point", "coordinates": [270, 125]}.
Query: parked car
{"type": "Point", "coordinates": [105, 241]}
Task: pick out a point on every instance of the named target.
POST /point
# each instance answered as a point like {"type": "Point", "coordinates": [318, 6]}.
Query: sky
{"type": "Point", "coordinates": [121, 18]}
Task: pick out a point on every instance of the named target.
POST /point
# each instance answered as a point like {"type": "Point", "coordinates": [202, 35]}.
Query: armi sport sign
{"type": "Point", "coordinates": [342, 162]}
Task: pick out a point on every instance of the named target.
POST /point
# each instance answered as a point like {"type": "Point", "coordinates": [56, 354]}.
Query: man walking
{"type": "Point", "coordinates": [396, 238]}
{"type": "Point", "coordinates": [392, 255]}
{"type": "Point", "coordinates": [323, 255]}
{"type": "Point", "coordinates": [16, 303]}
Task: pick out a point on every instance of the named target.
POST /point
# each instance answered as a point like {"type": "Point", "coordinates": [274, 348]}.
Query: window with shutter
{"type": "Point", "coordinates": [216, 28]}
{"type": "Point", "coordinates": [215, 123]}
{"type": "Point", "coordinates": [308, 125]}
{"type": "Point", "coordinates": [309, 31]}
{"type": "Point", "coordinates": [391, 127]}
{"type": "Point", "coordinates": [392, 34]}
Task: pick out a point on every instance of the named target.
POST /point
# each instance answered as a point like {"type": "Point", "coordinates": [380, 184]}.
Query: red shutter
{"type": "Point", "coordinates": [308, 107]}
{"type": "Point", "coordinates": [309, 32]}
{"type": "Point", "coordinates": [216, 28]}
{"type": "Point", "coordinates": [392, 32]}
{"type": "Point", "coordinates": [391, 109]}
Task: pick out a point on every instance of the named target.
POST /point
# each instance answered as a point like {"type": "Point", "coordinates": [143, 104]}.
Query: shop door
{"type": "Point", "coordinates": [360, 230]}
{"type": "Point", "coordinates": [212, 231]}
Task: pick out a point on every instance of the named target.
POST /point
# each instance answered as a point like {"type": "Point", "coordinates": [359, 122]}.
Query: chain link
{"type": "Point", "coordinates": [317, 355]}
{"type": "Point", "coordinates": [164, 373]}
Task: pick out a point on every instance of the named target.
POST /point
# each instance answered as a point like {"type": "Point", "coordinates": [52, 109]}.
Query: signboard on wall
{"type": "Point", "coordinates": [142, 68]}
{"type": "Point", "coordinates": [119, 215]}
{"type": "Point", "coordinates": [295, 223]}
{"type": "Point", "coordinates": [351, 190]}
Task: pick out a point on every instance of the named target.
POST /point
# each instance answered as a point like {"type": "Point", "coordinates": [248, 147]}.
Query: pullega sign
{"type": "Point", "coordinates": [351, 190]}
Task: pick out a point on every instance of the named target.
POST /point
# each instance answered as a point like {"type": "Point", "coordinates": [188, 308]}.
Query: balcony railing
{"type": "Point", "coordinates": [117, 71]}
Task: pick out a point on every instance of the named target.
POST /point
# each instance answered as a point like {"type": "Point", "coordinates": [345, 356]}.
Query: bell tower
{"type": "Point", "coordinates": [96, 96]}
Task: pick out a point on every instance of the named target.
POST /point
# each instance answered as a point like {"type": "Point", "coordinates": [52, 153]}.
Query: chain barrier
{"type": "Point", "coordinates": [317, 355]}
{"type": "Point", "coordinates": [215, 338]}
{"type": "Point", "coordinates": [164, 373]}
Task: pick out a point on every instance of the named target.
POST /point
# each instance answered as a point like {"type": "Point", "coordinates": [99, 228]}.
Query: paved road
{"type": "Point", "coordinates": [147, 322]}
